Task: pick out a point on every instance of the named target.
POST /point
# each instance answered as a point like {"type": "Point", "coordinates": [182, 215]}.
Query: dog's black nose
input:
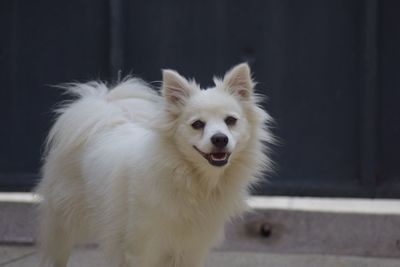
{"type": "Point", "coordinates": [219, 140]}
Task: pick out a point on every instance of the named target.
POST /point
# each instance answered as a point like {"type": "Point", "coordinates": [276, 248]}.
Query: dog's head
{"type": "Point", "coordinates": [212, 126]}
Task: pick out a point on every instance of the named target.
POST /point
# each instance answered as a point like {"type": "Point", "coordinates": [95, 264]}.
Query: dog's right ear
{"type": "Point", "coordinates": [175, 88]}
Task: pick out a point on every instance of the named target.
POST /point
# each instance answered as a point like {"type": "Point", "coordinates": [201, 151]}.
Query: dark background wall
{"type": "Point", "coordinates": [328, 67]}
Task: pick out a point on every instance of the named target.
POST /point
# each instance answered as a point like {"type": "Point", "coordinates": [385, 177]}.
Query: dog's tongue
{"type": "Point", "coordinates": [218, 156]}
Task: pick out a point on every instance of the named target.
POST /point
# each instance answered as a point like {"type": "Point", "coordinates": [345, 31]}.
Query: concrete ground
{"type": "Point", "coordinates": [302, 232]}
{"type": "Point", "coordinates": [25, 256]}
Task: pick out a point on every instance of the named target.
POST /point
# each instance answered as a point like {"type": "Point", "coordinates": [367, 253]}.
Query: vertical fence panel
{"type": "Point", "coordinates": [50, 42]}
{"type": "Point", "coordinates": [389, 128]}
{"type": "Point", "coordinates": [369, 95]}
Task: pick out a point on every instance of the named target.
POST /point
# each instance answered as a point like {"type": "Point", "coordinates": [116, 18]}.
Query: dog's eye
{"type": "Point", "coordinates": [230, 121]}
{"type": "Point", "coordinates": [197, 125]}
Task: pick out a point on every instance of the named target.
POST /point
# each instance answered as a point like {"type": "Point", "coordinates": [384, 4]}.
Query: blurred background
{"type": "Point", "coordinates": [329, 69]}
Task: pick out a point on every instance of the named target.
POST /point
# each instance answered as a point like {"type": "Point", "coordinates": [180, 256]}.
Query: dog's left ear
{"type": "Point", "coordinates": [238, 81]}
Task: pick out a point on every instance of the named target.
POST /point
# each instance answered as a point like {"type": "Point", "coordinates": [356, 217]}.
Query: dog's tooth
{"type": "Point", "coordinates": [219, 159]}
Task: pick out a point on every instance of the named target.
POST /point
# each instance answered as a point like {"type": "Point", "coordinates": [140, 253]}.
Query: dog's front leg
{"type": "Point", "coordinates": [192, 258]}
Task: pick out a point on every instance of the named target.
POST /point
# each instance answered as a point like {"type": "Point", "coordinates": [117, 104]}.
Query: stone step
{"type": "Point", "coordinates": [16, 256]}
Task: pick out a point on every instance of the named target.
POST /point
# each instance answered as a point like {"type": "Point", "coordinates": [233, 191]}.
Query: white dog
{"type": "Point", "coordinates": [153, 178]}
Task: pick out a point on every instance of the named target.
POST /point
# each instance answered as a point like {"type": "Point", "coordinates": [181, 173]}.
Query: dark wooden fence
{"type": "Point", "coordinates": [330, 69]}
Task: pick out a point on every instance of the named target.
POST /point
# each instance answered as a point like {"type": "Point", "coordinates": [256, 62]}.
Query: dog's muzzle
{"type": "Point", "coordinates": [217, 159]}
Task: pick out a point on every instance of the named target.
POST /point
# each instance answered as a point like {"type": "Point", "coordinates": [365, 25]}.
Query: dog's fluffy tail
{"type": "Point", "coordinates": [95, 108]}
{"type": "Point", "coordinates": [91, 111]}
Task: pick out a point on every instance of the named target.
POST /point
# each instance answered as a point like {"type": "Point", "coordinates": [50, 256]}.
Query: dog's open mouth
{"type": "Point", "coordinates": [215, 158]}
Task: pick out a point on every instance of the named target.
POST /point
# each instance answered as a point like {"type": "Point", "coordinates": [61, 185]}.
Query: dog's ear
{"type": "Point", "coordinates": [238, 81]}
{"type": "Point", "coordinates": [175, 88]}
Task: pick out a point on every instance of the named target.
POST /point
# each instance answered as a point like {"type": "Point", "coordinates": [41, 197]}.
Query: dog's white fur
{"type": "Point", "coordinates": [121, 166]}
